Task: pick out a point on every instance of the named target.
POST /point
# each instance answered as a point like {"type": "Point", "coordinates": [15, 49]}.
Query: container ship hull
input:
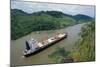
{"type": "Point", "coordinates": [44, 47]}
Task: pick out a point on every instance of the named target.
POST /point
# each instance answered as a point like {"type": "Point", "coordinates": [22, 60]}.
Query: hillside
{"type": "Point", "coordinates": [23, 23]}
{"type": "Point", "coordinates": [84, 49]}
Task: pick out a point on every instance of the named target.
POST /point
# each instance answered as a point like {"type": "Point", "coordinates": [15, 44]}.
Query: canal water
{"type": "Point", "coordinates": [17, 46]}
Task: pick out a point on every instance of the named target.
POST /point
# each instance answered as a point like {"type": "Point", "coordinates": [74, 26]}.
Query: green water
{"type": "Point", "coordinates": [17, 46]}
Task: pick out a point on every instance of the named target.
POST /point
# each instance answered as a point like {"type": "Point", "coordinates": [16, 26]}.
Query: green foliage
{"type": "Point", "coordinates": [23, 23]}
{"type": "Point", "coordinates": [58, 55]}
{"type": "Point", "coordinates": [85, 47]}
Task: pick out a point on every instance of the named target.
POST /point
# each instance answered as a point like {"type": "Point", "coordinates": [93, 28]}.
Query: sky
{"type": "Point", "coordinates": [31, 7]}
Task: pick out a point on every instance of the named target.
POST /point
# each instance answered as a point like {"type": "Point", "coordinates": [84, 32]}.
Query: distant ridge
{"type": "Point", "coordinates": [82, 17]}
{"type": "Point", "coordinates": [18, 12]}
{"type": "Point", "coordinates": [52, 13]}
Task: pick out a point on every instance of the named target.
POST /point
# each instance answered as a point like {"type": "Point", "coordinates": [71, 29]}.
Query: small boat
{"type": "Point", "coordinates": [34, 47]}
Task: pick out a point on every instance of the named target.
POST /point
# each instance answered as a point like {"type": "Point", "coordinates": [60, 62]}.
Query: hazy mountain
{"type": "Point", "coordinates": [82, 17]}
{"type": "Point", "coordinates": [18, 12]}
{"type": "Point", "coordinates": [51, 13]}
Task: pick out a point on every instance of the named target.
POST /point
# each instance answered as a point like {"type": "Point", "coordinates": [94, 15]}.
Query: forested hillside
{"type": "Point", "coordinates": [84, 49]}
{"type": "Point", "coordinates": [23, 23]}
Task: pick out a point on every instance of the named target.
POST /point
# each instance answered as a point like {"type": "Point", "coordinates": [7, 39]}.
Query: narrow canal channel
{"type": "Point", "coordinates": [17, 46]}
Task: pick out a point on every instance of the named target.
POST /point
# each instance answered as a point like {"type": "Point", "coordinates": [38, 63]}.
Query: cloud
{"type": "Point", "coordinates": [31, 7]}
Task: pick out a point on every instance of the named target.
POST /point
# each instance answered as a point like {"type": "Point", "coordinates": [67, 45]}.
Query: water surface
{"type": "Point", "coordinates": [17, 46]}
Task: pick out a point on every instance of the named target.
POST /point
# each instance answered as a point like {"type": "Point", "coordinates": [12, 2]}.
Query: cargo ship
{"type": "Point", "coordinates": [34, 47]}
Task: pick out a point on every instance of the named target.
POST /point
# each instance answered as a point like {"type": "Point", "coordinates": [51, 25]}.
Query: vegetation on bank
{"type": "Point", "coordinates": [59, 54]}
{"type": "Point", "coordinates": [23, 23]}
{"type": "Point", "coordinates": [84, 49]}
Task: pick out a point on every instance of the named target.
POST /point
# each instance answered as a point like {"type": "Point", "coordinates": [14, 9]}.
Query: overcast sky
{"type": "Point", "coordinates": [31, 7]}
